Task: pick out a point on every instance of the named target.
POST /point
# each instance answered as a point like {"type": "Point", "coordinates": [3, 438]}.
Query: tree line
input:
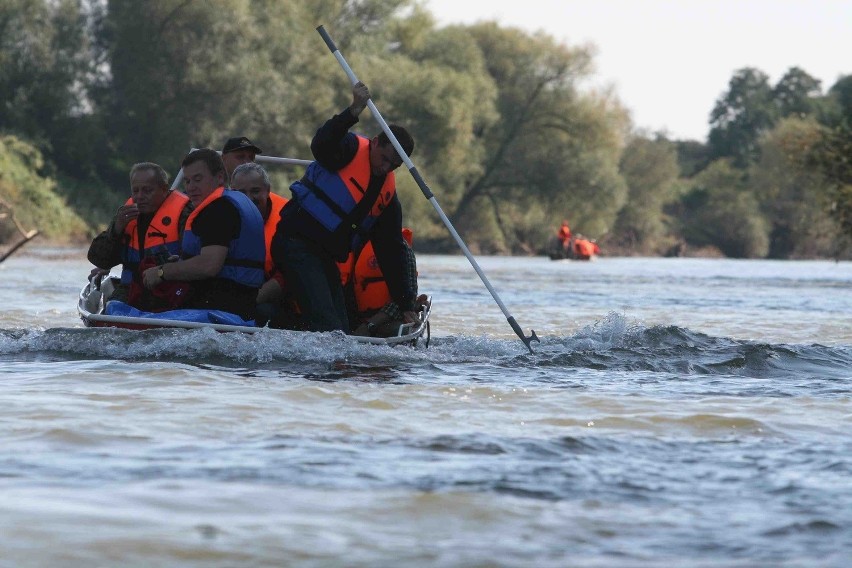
{"type": "Point", "coordinates": [507, 136]}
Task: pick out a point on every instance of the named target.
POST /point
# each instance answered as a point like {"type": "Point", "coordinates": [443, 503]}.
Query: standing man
{"type": "Point", "coordinates": [147, 229]}
{"type": "Point", "coordinates": [237, 151]}
{"type": "Point", "coordinates": [223, 250]}
{"type": "Point", "coordinates": [347, 197]}
{"type": "Point", "coordinates": [274, 304]}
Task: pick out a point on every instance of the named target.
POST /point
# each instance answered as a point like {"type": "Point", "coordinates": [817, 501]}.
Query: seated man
{"type": "Point", "coordinates": [236, 152]}
{"type": "Point", "coordinates": [222, 249]}
{"type": "Point", "coordinates": [275, 305]}
{"type": "Point", "coordinates": [372, 311]}
{"type": "Point", "coordinates": [147, 229]}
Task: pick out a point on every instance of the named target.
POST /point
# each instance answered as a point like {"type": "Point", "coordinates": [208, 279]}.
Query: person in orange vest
{"type": "Point", "coordinates": [146, 230]}
{"type": "Point", "coordinates": [565, 239]}
{"type": "Point", "coordinates": [372, 310]}
{"type": "Point", "coordinates": [564, 233]}
{"type": "Point", "coordinates": [274, 300]}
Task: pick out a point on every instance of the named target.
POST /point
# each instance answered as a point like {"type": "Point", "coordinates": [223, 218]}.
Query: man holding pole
{"type": "Point", "coordinates": [347, 197]}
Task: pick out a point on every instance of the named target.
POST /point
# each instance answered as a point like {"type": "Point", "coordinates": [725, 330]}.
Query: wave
{"type": "Point", "coordinates": [612, 344]}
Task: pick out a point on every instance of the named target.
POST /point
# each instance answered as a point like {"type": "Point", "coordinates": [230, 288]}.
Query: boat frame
{"type": "Point", "coordinates": [90, 306]}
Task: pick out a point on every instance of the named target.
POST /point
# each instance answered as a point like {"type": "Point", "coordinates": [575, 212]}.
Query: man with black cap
{"type": "Point", "coordinates": [236, 151]}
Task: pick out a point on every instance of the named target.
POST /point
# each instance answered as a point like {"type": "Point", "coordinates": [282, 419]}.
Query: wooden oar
{"type": "Point", "coordinates": [427, 192]}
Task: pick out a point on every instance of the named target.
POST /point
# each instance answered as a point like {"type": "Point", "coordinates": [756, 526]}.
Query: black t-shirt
{"type": "Point", "coordinates": [217, 224]}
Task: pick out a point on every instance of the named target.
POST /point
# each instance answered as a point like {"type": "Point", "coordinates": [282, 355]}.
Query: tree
{"type": "Point", "coordinates": [718, 211]}
{"type": "Point", "coordinates": [832, 156]}
{"type": "Point", "coordinates": [692, 157]}
{"type": "Point", "coordinates": [793, 195]}
{"type": "Point", "coordinates": [553, 149]}
{"type": "Point", "coordinates": [741, 115]}
{"type": "Point", "coordinates": [45, 69]}
{"type": "Point", "coordinates": [650, 169]}
{"type": "Point", "coordinates": [796, 93]}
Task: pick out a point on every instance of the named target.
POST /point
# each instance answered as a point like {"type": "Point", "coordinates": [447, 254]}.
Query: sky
{"type": "Point", "coordinates": [670, 60]}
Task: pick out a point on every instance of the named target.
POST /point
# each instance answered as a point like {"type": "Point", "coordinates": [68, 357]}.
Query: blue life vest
{"type": "Point", "coordinates": [330, 197]}
{"type": "Point", "coordinates": [247, 253]}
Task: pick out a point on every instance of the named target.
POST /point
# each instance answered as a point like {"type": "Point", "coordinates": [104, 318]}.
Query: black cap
{"type": "Point", "coordinates": [240, 143]}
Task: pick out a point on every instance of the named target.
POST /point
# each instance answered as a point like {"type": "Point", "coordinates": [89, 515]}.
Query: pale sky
{"type": "Point", "coordinates": [670, 60]}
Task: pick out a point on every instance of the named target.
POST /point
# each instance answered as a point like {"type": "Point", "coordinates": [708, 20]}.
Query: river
{"type": "Point", "coordinates": [677, 412]}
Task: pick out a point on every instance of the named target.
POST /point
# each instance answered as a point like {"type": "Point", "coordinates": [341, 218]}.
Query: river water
{"type": "Point", "coordinates": [678, 412]}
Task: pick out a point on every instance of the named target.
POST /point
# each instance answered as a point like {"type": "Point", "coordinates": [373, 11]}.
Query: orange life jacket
{"type": "Point", "coordinates": [276, 203]}
{"type": "Point", "coordinates": [585, 249]}
{"type": "Point", "coordinates": [368, 284]}
{"type": "Point", "coordinates": [346, 267]}
{"type": "Point", "coordinates": [162, 238]}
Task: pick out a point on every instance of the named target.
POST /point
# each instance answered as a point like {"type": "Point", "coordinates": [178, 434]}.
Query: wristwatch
{"type": "Point", "coordinates": [160, 273]}
{"type": "Point", "coordinates": [371, 327]}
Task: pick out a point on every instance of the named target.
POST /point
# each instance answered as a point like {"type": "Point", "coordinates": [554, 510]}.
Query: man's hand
{"type": "Point", "coordinates": [360, 96]}
{"type": "Point", "coordinates": [150, 278]}
{"type": "Point", "coordinates": [125, 214]}
{"type": "Point", "coordinates": [409, 317]}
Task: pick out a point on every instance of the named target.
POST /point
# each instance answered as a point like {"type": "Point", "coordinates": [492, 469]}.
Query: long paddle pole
{"type": "Point", "coordinates": [428, 193]}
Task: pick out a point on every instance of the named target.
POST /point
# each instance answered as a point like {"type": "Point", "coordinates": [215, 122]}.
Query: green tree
{"type": "Point", "coordinates": [692, 157]}
{"type": "Point", "coordinates": [719, 212]}
{"type": "Point", "coordinates": [832, 156]}
{"type": "Point", "coordinates": [554, 148]}
{"type": "Point", "coordinates": [650, 169]}
{"type": "Point", "coordinates": [793, 195]}
{"type": "Point", "coordinates": [796, 93]}
{"type": "Point", "coordinates": [741, 115]}
{"type": "Point", "coordinates": [46, 66]}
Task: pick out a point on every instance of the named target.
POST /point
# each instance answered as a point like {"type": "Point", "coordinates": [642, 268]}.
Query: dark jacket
{"type": "Point", "coordinates": [333, 147]}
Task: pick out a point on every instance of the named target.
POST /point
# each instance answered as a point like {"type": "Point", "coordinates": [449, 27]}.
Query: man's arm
{"type": "Point", "coordinates": [207, 264]}
{"type": "Point", "coordinates": [105, 250]}
{"type": "Point", "coordinates": [333, 145]}
{"type": "Point", "coordinates": [216, 227]}
{"type": "Point", "coordinates": [390, 252]}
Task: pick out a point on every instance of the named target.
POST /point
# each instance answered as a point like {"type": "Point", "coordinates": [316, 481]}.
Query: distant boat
{"type": "Point", "coordinates": [577, 248]}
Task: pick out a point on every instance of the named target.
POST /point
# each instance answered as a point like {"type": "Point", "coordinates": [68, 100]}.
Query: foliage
{"type": "Point", "coordinates": [792, 195]}
{"type": "Point", "coordinates": [720, 212]}
{"type": "Point", "coordinates": [650, 169]}
{"type": "Point", "coordinates": [42, 61]}
{"type": "Point", "coordinates": [553, 146]}
{"type": "Point", "coordinates": [751, 107]}
{"type": "Point", "coordinates": [31, 196]}
{"type": "Point", "coordinates": [741, 116]}
{"type": "Point", "coordinates": [832, 156]}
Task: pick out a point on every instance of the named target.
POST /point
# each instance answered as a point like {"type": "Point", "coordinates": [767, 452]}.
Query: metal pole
{"type": "Point", "coordinates": [258, 158]}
